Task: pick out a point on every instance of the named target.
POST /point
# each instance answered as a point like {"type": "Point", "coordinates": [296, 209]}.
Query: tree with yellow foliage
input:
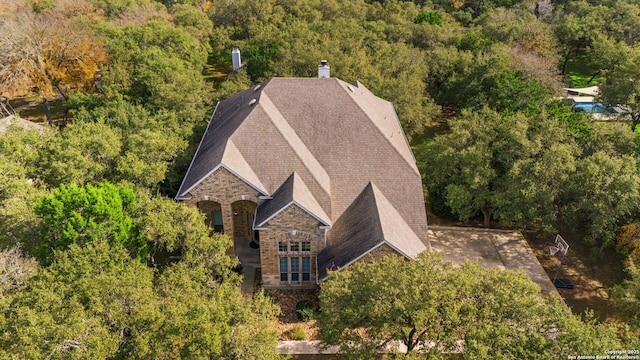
{"type": "Point", "coordinates": [50, 51]}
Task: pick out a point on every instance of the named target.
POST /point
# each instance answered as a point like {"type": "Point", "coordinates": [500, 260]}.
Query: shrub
{"type": "Point", "coordinates": [430, 17]}
{"type": "Point", "coordinates": [304, 308]}
{"type": "Point", "coordinates": [297, 333]}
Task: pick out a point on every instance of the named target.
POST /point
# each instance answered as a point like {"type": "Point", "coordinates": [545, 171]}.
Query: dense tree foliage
{"type": "Point", "coordinates": [627, 295]}
{"type": "Point", "coordinates": [50, 51]}
{"type": "Point", "coordinates": [131, 71]}
{"type": "Point", "coordinates": [498, 165]}
{"type": "Point", "coordinates": [96, 302]}
{"type": "Point", "coordinates": [82, 215]}
{"type": "Point", "coordinates": [430, 307]}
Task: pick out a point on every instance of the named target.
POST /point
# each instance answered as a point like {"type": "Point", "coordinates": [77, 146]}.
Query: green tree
{"type": "Point", "coordinates": [19, 186]}
{"type": "Point", "coordinates": [626, 296]}
{"type": "Point", "coordinates": [603, 195]}
{"type": "Point", "coordinates": [172, 228]}
{"type": "Point", "coordinates": [156, 64]}
{"type": "Point", "coordinates": [508, 167]}
{"type": "Point", "coordinates": [150, 142]}
{"type": "Point", "coordinates": [82, 215]}
{"type": "Point", "coordinates": [83, 153]}
{"type": "Point", "coordinates": [205, 319]}
{"type": "Point", "coordinates": [88, 304]}
{"type": "Point", "coordinates": [96, 302]}
{"type": "Point", "coordinates": [430, 306]}
{"type": "Point", "coordinates": [495, 76]}
{"type": "Point", "coordinates": [622, 85]}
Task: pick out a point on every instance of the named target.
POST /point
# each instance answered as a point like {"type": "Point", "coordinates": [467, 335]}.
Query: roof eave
{"type": "Point", "coordinates": [293, 202]}
{"type": "Point", "coordinates": [181, 194]}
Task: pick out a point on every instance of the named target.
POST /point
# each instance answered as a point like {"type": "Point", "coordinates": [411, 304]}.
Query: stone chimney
{"type": "Point", "coordinates": [235, 58]}
{"type": "Point", "coordinates": [323, 69]}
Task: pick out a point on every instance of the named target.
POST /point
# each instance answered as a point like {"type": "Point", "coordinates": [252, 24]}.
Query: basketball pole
{"type": "Point", "coordinates": [555, 278]}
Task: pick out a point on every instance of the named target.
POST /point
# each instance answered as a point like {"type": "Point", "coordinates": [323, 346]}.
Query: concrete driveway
{"type": "Point", "coordinates": [505, 249]}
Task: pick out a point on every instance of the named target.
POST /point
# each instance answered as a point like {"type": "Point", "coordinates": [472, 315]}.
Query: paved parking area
{"type": "Point", "coordinates": [491, 248]}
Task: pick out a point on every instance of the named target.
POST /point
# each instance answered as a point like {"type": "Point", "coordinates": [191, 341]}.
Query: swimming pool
{"type": "Point", "coordinates": [593, 107]}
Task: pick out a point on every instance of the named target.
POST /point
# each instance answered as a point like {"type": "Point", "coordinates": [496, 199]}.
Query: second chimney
{"type": "Point", "coordinates": [323, 69]}
{"type": "Point", "coordinates": [235, 58]}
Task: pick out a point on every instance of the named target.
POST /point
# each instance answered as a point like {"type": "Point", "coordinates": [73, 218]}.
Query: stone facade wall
{"type": "Point", "coordinates": [379, 253]}
{"type": "Point", "coordinates": [224, 188]}
{"type": "Point", "coordinates": [207, 208]}
{"type": "Point", "coordinates": [243, 212]}
{"type": "Point", "coordinates": [281, 229]}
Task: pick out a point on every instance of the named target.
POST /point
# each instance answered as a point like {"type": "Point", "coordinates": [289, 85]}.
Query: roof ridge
{"type": "Point", "coordinates": [396, 226]}
{"type": "Point", "coordinates": [296, 144]}
{"type": "Point", "coordinates": [411, 164]}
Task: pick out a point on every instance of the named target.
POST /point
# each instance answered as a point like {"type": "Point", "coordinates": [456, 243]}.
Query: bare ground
{"type": "Point", "coordinates": [592, 275]}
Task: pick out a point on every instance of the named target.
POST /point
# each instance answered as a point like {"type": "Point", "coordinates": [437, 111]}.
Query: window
{"type": "Point", "coordinates": [216, 220]}
{"type": "Point", "coordinates": [294, 246]}
{"type": "Point", "coordinates": [306, 268]}
{"type": "Point", "coordinates": [284, 270]}
{"type": "Point", "coordinates": [295, 269]}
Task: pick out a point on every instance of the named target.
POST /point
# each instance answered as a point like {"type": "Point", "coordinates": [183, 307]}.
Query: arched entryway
{"type": "Point", "coordinates": [243, 213]}
{"type": "Point", "coordinates": [213, 213]}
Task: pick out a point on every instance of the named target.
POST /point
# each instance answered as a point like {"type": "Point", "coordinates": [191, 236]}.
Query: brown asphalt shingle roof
{"type": "Point", "coordinates": [369, 221]}
{"type": "Point", "coordinates": [336, 137]}
{"type": "Point", "coordinates": [292, 191]}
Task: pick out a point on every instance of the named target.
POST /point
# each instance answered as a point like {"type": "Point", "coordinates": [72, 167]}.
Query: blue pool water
{"type": "Point", "coordinates": [593, 107]}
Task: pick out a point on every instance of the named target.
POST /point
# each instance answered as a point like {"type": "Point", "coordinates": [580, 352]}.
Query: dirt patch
{"type": "Point", "coordinates": [287, 300]}
{"type": "Point", "coordinates": [592, 275]}
{"type": "Point", "coordinates": [288, 319]}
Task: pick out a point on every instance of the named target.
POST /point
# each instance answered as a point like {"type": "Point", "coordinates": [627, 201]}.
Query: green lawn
{"type": "Point", "coordinates": [36, 113]}
{"type": "Point", "coordinates": [579, 73]}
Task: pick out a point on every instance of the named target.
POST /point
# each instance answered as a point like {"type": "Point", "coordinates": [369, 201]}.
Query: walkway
{"type": "Point", "coordinates": [250, 261]}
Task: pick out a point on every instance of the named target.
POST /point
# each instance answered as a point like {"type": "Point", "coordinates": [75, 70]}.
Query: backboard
{"type": "Point", "coordinates": [561, 244]}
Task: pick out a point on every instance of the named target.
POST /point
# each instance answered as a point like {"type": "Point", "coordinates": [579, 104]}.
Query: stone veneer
{"type": "Point", "coordinates": [281, 228]}
{"type": "Point", "coordinates": [379, 253]}
{"type": "Point", "coordinates": [224, 188]}
{"type": "Point", "coordinates": [207, 208]}
{"type": "Point", "coordinates": [243, 212]}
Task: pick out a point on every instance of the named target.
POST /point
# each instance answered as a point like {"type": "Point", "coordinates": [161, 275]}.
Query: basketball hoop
{"type": "Point", "coordinates": [562, 247]}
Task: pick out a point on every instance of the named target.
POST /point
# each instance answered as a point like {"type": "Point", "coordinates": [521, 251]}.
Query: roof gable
{"type": "Point", "coordinates": [292, 192]}
{"type": "Point", "coordinates": [368, 223]}
{"type": "Point", "coordinates": [336, 137]}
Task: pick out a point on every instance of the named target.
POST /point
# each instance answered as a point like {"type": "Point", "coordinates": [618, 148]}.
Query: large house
{"type": "Point", "coordinates": [316, 171]}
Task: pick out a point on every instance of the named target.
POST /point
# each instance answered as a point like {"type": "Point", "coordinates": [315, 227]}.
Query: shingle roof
{"type": "Point", "coordinates": [292, 191]}
{"type": "Point", "coordinates": [370, 221]}
{"type": "Point", "coordinates": [336, 137]}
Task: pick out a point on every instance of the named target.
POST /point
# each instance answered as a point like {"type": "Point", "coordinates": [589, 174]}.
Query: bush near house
{"type": "Point", "coordinates": [304, 309]}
